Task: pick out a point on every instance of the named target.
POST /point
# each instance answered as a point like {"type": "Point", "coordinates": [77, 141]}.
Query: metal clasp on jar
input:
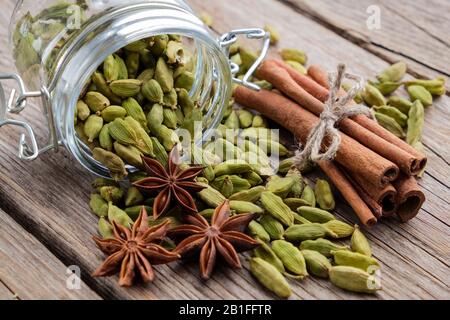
{"type": "Point", "coordinates": [17, 101]}
{"type": "Point", "coordinates": [231, 37]}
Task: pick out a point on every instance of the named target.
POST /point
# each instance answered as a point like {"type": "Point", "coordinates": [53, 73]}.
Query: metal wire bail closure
{"type": "Point", "coordinates": [231, 37]}
{"type": "Point", "coordinates": [28, 146]}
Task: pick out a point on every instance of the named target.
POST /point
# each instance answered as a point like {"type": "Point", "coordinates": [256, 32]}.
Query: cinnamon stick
{"type": "Point", "coordinates": [357, 159]}
{"type": "Point", "coordinates": [419, 159]}
{"type": "Point", "coordinates": [348, 191]}
{"type": "Point", "coordinates": [409, 197]}
{"type": "Point", "coordinates": [311, 95]}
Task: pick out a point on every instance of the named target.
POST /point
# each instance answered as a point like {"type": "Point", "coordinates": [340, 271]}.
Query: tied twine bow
{"type": "Point", "coordinates": [335, 110]}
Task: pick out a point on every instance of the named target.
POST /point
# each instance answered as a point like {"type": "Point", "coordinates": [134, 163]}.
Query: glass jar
{"type": "Point", "coordinates": [57, 45]}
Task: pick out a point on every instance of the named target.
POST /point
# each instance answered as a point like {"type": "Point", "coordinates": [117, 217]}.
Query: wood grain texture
{"type": "Point", "coordinates": [29, 270]}
{"type": "Point", "coordinates": [410, 30]}
{"type": "Point", "coordinates": [49, 196]}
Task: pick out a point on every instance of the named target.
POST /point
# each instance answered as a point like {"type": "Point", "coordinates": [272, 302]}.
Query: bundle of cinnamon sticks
{"type": "Point", "coordinates": [373, 169]}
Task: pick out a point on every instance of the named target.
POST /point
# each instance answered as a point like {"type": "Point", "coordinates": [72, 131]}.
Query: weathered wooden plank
{"type": "Point", "coordinates": [29, 270]}
{"type": "Point", "coordinates": [328, 50]}
{"type": "Point", "coordinates": [407, 29]}
{"type": "Point", "coordinates": [6, 294]}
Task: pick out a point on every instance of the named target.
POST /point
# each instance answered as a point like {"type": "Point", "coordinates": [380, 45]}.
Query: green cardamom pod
{"type": "Point", "coordinates": [83, 111]}
{"type": "Point", "coordinates": [143, 142]}
{"type": "Point", "coordinates": [387, 87]}
{"type": "Point", "coordinates": [298, 219]}
{"type": "Point", "coordinates": [136, 176]}
{"type": "Point", "coordinates": [159, 44]}
{"type": "Point", "coordinates": [227, 187]}
{"type": "Point", "coordinates": [323, 246]}
{"type": "Point", "coordinates": [354, 259]}
{"type": "Point", "coordinates": [245, 118]}
{"type": "Point", "coordinates": [248, 58]}
{"type": "Point", "coordinates": [111, 69]}
{"type": "Point", "coordinates": [170, 118]}
{"type": "Point", "coordinates": [119, 216]}
{"type": "Point", "coordinates": [129, 154]}
{"type": "Point", "coordinates": [164, 75]}
{"type": "Point", "coordinates": [96, 101]}
{"type": "Point", "coordinates": [122, 132]}
{"type": "Point", "coordinates": [146, 75]}
{"type": "Point", "coordinates": [232, 121]}
{"type": "Point", "coordinates": [135, 111]}
{"type": "Point", "coordinates": [111, 193]}
{"type": "Point", "coordinates": [273, 147]}
{"type": "Point", "coordinates": [101, 182]}
{"type": "Point", "coordinates": [239, 183]}
{"type": "Point", "coordinates": [373, 97]}
{"type": "Point", "coordinates": [136, 46]}
{"type": "Point", "coordinates": [105, 228]}
{"type": "Point", "coordinates": [309, 196]}
{"type": "Point", "coordinates": [316, 263]}
{"type": "Point", "coordinates": [394, 113]}
{"type": "Point", "coordinates": [92, 127]}
{"type": "Point", "coordinates": [105, 139]}
{"type": "Point", "coordinates": [315, 214]}
{"type": "Point", "coordinates": [155, 118]}
{"type": "Point", "coordinates": [208, 173]}
{"type": "Point", "coordinates": [273, 227]}
{"type": "Point", "coordinates": [400, 103]}
{"type": "Point", "coordinates": [274, 34]}
{"type": "Point", "coordinates": [294, 55]}
{"type": "Point", "coordinates": [133, 212]}
{"type": "Point", "coordinates": [265, 252]}
{"type": "Point", "coordinates": [358, 97]}
{"type": "Point", "coordinates": [153, 92]}
{"type": "Point", "coordinates": [393, 73]}
{"type": "Point", "coordinates": [133, 197]}
{"type": "Point", "coordinates": [211, 196]}
{"type": "Point", "coordinates": [270, 277]}
{"type": "Point", "coordinates": [102, 87]}
{"type": "Point", "coordinates": [257, 231]}
{"type": "Point", "coordinates": [353, 279]}
{"type": "Point", "coordinates": [227, 168]}
{"type": "Point", "coordinates": [259, 122]}
{"type": "Point", "coordinates": [98, 205]}
{"type": "Point", "coordinates": [435, 87]}
{"type": "Point", "coordinates": [185, 101]}
{"type": "Point", "coordinates": [324, 195]}
{"type": "Point", "coordinates": [121, 67]}
{"type": "Point", "coordinates": [174, 52]}
{"type": "Point", "coordinates": [340, 228]}
{"type": "Point", "coordinates": [310, 231]}
{"type": "Point", "coordinates": [133, 62]}
{"type": "Point", "coordinates": [415, 123]}
{"type": "Point", "coordinates": [297, 66]}
{"type": "Point", "coordinates": [159, 151]}
{"type": "Point", "coordinates": [420, 93]}
{"type": "Point", "coordinates": [126, 88]}
{"type": "Point", "coordinates": [253, 178]}
{"type": "Point", "coordinates": [170, 99]}
{"type": "Point", "coordinates": [390, 124]}
{"type": "Point", "coordinates": [168, 137]}
{"type": "Point", "coordinates": [291, 257]}
{"type": "Point", "coordinates": [295, 203]}
{"type": "Point", "coordinates": [207, 213]}
{"type": "Point", "coordinates": [110, 113]}
{"type": "Point", "coordinates": [359, 243]}
{"type": "Point", "coordinates": [280, 186]}
{"type": "Point", "coordinates": [250, 195]}
{"type": "Point", "coordinates": [285, 165]}
{"type": "Point", "coordinates": [245, 207]}
{"type": "Point", "coordinates": [277, 208]}
{"type": "Point", "coordinates": [297, 187]}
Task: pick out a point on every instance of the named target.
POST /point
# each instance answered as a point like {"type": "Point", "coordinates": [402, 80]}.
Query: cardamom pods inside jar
{"type": "Point", "coordinates": [119, 78]}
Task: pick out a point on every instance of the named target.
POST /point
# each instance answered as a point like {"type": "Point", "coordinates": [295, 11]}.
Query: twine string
{"type": "Point", "coordinates": [335, 110]}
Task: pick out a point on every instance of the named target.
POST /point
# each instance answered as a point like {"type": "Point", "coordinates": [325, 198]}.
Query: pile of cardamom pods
{"type": "Point", "coordinates": [401, 116]}
{"type": "Point", "coordinates": [134, 102]}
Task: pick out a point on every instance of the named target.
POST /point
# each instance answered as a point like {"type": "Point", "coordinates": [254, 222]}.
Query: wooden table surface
{"type": "Point", "coordinates": [46, 225]}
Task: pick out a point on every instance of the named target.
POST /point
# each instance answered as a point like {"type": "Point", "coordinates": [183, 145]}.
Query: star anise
{"type": "Point", "coordinates": [224, 237]}
{"type": "Point", "coordinates": [172, 183]}
{"type": "Point", "coordinates": [134, 250]}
